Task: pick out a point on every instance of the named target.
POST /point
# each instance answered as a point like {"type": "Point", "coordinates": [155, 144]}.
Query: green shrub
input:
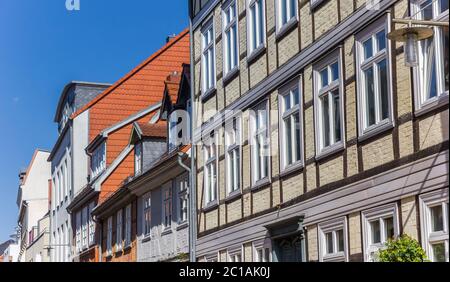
{"type": "Point", "coordinates": [403, 249]}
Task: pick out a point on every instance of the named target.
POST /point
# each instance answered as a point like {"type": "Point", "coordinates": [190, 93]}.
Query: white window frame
{"type": "Point", "coordinates": [210, 165]}
{"type": "Point", "coordinates": [289, 90]}
{"type": "Point", "coordinates": [322, 150]}
{"type": "Point", "coordinates": [78, 231]}
{"type": "Point", "coordinates": [138, 158]}
{"type": "Point", "coordinates": [332, 226]}
{"type": "Point", "coordinates": [84, 228]}
{"type": "Point", "coordinates": [290, 19]}
{"type": "Point", "coordinates": [233, 154]}
{"type": "Point", "coordinates": [91, 226]}
{"type": "Point", "coordinates": [260, 164]}
{"type": "Point", "coordinates": [119, 230]}
{"type": "Point", "coordinates": [378, 213]}
{"type": "Point", "coordinates": [429, 238]}
{"type": "Point", "coordinates": [98, 160]}
{"type": "Point", "coordinates": [422, 103]}
{"type": "Point", "coordinates": [109, 232]}
{"type": "Point", "coordinates": [235, 255]}
{"type": "Point", "coordinates": [260, 37]}
{"type": "Point", "coordinates": [167, 205]}
{"type": "Point", "coordinates": [183, 200]}
{"type": "Point", "coordinates": [147, 210]}
{"type": "Point", "coordinates": [362, 64]}
{"type": "Point", "coordinates": [231, 50]}
{"type": "Point", "coordinates": [128, 225]}
{"type": "Point", "coordinates": [264, 246]}
{"type": "Point", "coordinates": [208, 51]}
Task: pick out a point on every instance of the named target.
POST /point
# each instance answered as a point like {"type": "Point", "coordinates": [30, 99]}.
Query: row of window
{"type": "Point", "coordinates": [375, 111]}
{"type": "Point", "coordinates": [84, 228]}
{"type": "Point", "coordinates": [62, 184]}
{"type": "Point", "coordinates": [378, 226]}
{"type": "Point", "coordinates": [61, 243]}
{"type": "Point", "coordinates": [123, 231]}
{"type": "Point", "coordinates": [98, 160]}
{"type": "Point", "coordinates": [182, 187]}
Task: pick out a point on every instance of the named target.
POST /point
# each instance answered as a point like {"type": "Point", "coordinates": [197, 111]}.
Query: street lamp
{"type": "Point", "coordinates": [411, 35]}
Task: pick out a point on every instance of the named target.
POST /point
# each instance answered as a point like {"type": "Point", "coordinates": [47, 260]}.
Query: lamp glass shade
{"type": "Point", "coordinates": [411, 50]}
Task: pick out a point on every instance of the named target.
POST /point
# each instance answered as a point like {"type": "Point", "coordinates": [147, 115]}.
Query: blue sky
{"type": "Point", "coordinates": [43, 46]}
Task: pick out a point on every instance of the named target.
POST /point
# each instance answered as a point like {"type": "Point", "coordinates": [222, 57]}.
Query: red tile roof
{"type": "Point", "coordinates": [158, 130]}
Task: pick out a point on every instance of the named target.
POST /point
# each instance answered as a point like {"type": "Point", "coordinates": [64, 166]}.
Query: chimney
{"type": "Point", "coordinates": [170, 37]}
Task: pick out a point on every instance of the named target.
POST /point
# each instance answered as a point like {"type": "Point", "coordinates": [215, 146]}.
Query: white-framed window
{"type": "Point", "coordinates": [431, 81]}
{"type": "Point", "coordinates": [233, 154]}
{"type": "Point", "coordinates": [64, 180]}
{"type": "Point", "coordinates": [128, 225]}
{"type": "Point", "coordinates": [210, 170]}
{"type": "Point", "coordinates": [260, 142]}
{"type": "Point", "coordinates": [286, 12]}
{"type": "Point", "coordinates": [208, 57]}
{"type": "Point", "coordinates": [291, 125]}
{"type": "Point", "coordinates": [138, 159]}
{"type": "Point", "coordinates": [183, 188]}
{"type": "Point", "coordinates": [329, 105]}
{"type": "Point", "coordinates": [167, 205]}
{"type": "Point", "coordinates": [262, 251]}
{"type": "Point", "coordinates": [434, 211]}
{"type": "Point", "coordinates": [256, 27]}
{"type": "Point", "coordinates": [333, 240]}
{"type": "Point", "coordinates": [379, 225]}
{"type": "Point", "coordinates": [374, 77]}
{"type": "Point", "coordinates": [58, 188]}
{"type": "Point", "coordinates": [235, 255]}
{"type": "Point", "coordinates": [147, 212]}
{"type": "Point", "coordinates": [119, 230]}
{"type": "Point", "coordinates": [91, 225]}
{"type": "Point", "coordinates": [84, 228]}
{"type": "Point", "coordinates": [98, 160]}
{"type": "Point", "coordinates": [230, 36]}
{"type": "Point", "coordinates": [109, 233]}
{"type": "Point", "coordinates": [78, 231]}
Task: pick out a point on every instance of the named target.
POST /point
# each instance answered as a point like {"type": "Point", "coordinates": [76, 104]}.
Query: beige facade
{"type": "Point", "coordinates": [39, 249]}
{"type": "Point", "coordinates": [353, 182]}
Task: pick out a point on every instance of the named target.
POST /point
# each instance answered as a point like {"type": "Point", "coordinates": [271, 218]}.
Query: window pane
{"type": "Point", "coordinates": [375, 232]}
{"type": "Point", "coordinates": [389, 228]}
{"type": "Point", "coordinates": [293, 8]}
{"type": "Point", "coordinates": [431, 76]}
{"type": "Point", "coordinates": [325, 121]}
{"type": "Point", "coordinates": [368, 48]}
{"type": "Point", "coordinates": [381, 40]}
{"type": "Point", "coordinates": [288, 140]}
{"type": "Point", "coordinates": [295, 96]}
{"type": "Point", "coordinates": [324, 77]}
{"type": "Point", "coordinates": [382, 71]}
{"type": "Point", "coordinates": [287, 102]}
{"type": "Point", "coordinates": [443, 5]}
{"type": "Point", "coordinates": [253, 28]}
{"type": "Point", "coordinates": [427, 10]}
{"type": "Point", "coordinates": [446, 55]}
{"type": "Point", "coordinates": [329, 242]}
{"type": "Point", "coordinates": [297, 136]}
{"type": "Point", "coordinates": [235, 48]}
{"type": "Point", "coordinates": [261, 22]}
{"type": "Point", "coordinates": [337, 116]}
{"type": "Point", "coordinates": [266, 255]}
{"type": "Point", "coordinates": [437, 221]}
{"type": "Point", "coordinates": [370, 97]}
{"type": "Point", "coordinates": [283, 10]}
{"type": "Point", "coordinates": [439, 252]}
{"type": "Point", "coordinates": [340, 240]}
{"type": "Point", "coordinates": [335, 71]}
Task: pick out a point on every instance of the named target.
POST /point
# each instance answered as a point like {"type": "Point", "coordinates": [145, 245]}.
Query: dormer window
{"type": "Point", "coordinates": [98, 160]}
{"type": "Point", "coordinates": [138, 159]}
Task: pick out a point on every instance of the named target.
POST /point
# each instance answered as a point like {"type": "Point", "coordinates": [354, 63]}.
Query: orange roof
{"type": "Point", "coordinates": [143, 86]}
{"type": "Point", "coordinates": [153, 130]}
{"type": "Point", "coordinates": [173, 85]}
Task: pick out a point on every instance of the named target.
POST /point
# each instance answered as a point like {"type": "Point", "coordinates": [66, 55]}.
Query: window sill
{"type": "Point", "coordinates": [427, 107]}
{"type": "Point", "coordinates": [327, 152]}
{"type": "Point", "coordinates": [182, 225]}
{"type": "Point", "coordinates": [290, 169]}
{"type": "Point", "coordinates": [232, 74]}
{"type": "Point", "coordinates": [255, 54]}
{"type": "Point", "coordinates": [210, 206]}
{"type": "Point", "coordinates": [208, 94]}
{"type": "Point", "coordinates": [146, 238]}
{"type": "Point", "coordinates": [376, 130]}
{"type": "Point", "coordinates": [233, 196]}
{"type": "Point", "coordinates": [339, 257]}
{"type": "Point", "coordinates": [166, 231]}
{"type": "Point", "coordinates": [260, 184]}
{"type": "Point", "coordinates": [286, 29]}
